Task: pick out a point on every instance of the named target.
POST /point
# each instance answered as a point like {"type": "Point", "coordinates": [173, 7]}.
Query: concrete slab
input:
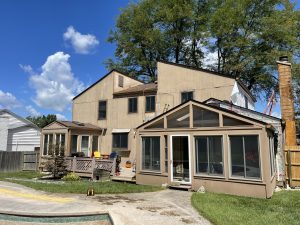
{"type": "Point", "coordinates": [168, 207]}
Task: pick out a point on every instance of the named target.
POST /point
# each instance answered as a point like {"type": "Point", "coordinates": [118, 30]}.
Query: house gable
{"type": "Point", "coordinates": [54, 125]}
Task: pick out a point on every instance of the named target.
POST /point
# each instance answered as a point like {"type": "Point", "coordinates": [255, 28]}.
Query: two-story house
{"type": "Point", "coordinates": [118, 103]}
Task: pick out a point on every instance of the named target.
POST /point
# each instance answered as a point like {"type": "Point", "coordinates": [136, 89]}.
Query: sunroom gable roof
{"type": "Point", "coordinates": [205, 106]}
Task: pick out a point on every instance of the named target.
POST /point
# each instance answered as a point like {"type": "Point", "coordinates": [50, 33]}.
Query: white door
{"type": "Point", "coordinates": [85, 145]}
{"type": "Point", "coordinates": [180, 158]}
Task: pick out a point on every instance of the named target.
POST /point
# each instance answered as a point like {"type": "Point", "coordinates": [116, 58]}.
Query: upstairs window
{"type": "Point", "coordinates": [185, 96]}
{"type": "Point", "coordinates": [132, 105]}
{"type": "Point", "coordinates": [102, 110]}
{"type": "Point", "coordinates": [150, 103]}
{"type": "Point", "coordinates": [120, 140]}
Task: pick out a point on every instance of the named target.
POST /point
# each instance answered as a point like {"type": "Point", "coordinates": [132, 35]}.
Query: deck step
{"type": "Point", "coordinates": [123, 178]}
{"type": "Point", "coordinates": [181, 187]}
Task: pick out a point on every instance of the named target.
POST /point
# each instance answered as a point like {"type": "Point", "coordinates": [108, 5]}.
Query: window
{"type": "Point", "coordinates": [74, 139]}
{"type": "Point", "coordinates": [120, 140]}
{"type": "Point", "coordinates": [48, 142]}
{"type": "Point", "coordinates": [132, 105]}
{"type": "Point", "coordinates": [156, 125]}
{"type": "Point", "coordinates": [209, 155]}
{"type": "Point", "coordinates": [151, 153]}
{"type": "Point", "coordinates": [246, 102]}
{"type": "Point", "coordinates": [95, 144]}
{"type": "Point", "coordinates": [245, 156]}
{"type": "Point", "coordinates": [121, 81]}
{"type": "Point", "coordinates": [102, 110]}
{"type": "Point", "coordinates": [60, 142]}
{"type": "Point", "coordinates": [185, 96]}
{"type": "Point", "coordinates": [150, 103]}
{"type": "Point", "coordinates": [272, 155]}
{"type": "Point", "coordinates": [227, 121]}
{"type": "Point", "coordinates": [166, 153]}
{"type": "Point", "coordinates": [205, 118]}
{"type": "Point", "coordinates": [180, 118]}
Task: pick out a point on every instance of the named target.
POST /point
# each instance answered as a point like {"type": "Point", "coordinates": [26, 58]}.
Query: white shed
{"type": "Point", "coordinates": [17, 133]}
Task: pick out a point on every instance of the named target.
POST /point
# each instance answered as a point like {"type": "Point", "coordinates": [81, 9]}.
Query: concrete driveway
{"type": "Point", "coordinates": [168, 207]}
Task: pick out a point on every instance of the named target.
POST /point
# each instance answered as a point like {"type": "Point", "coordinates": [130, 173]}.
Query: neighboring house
{"type": "Point", "coordinates": [197, 145]}
{"type": "Point", "coordinates": [17, 133]}
{"type": "Point", "coordinates": [118, 103]}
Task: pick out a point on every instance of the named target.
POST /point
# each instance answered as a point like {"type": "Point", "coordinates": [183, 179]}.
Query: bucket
{"type": "Point", "coordinates": [97, 154]}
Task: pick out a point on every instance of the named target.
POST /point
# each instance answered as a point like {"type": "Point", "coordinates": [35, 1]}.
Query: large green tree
{"type": "Point", "coordinates": [246, 36]}
{"type": "Point", "coordinates": [42, 121]}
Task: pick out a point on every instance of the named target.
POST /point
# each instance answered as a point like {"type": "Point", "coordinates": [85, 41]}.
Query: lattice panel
{"type": "Point", "coordinates": [104, 165]}
{"type": "Point", "coordinates": [84, 165]}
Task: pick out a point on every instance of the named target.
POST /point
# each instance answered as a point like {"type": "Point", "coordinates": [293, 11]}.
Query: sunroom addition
{"type": "Point", "coordinates": [72, 137]}
{"type": "Point", "coordinates": [199, 145]}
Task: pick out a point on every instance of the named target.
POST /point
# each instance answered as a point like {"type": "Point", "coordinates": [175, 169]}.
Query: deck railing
{"type": "Point", "coordinates": [87, 165]}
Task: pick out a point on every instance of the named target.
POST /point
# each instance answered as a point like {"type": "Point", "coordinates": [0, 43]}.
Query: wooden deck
{"type": "Point", "coordinates": [85, 167]}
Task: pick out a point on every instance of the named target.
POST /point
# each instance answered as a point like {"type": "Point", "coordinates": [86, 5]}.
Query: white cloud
{"type": "Point", "coordinates": [8, 100]}
{"type": "Point", "coordinates": [60, 117]}
{"type": "Point", "coordinates": [27, 69]}
{"type": "Point", "coordinates": [32, 111]}
{"type": "Point", "coordinates": [82, 43]}
{"type": "Point", "coordinates": [56, 85]}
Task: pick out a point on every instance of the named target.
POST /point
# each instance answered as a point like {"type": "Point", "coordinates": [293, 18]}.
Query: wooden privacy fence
{"type": "Point", "coordinates": [85, 167]}
{"type": "Point", "coordinates": [292, 165]}
{"type": "Point", "coordinates": [31, 160]}
{"type": "Point", "coordinates": [17, 161]}
{"type": "Point", "coordinates": [11, 161]}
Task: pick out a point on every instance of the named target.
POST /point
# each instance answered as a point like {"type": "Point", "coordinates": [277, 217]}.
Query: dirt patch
{"type": "Point", "coordinates": [187, 221]}
{"type": "Point", "coordinates": [169, 213]}
{"type": "Point", "coordinates": [110, 200]}
{"type": "Point", "coordinates": [149, 208]}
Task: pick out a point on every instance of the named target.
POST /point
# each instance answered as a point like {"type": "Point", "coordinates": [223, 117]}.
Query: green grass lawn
{"type": "Point", "coordinates": [80, 187]}
{"type": "Point", "coordinates": [282, 209]}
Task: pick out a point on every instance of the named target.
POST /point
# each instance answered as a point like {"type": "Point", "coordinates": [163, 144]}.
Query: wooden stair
{"type": "Point", "coordinates": [183, 187]}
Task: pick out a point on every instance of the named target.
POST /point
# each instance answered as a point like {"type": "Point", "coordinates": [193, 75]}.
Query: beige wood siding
{"type": "Point", "coordinates": [172, 80]}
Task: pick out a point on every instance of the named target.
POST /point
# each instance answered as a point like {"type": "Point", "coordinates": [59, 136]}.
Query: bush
{"type": "Point", "coordinates": [71, 177]}
{"type": "Point", "coordinates": [56, 164]}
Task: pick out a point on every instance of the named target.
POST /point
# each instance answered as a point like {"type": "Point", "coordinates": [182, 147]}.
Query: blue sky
{"type": "Point", "coordinates": [40, 39]}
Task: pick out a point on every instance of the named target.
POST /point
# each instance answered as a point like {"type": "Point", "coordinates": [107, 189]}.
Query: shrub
{"type": "Point", "coordinates": [56, 164]}
{"type": "Point", "coordinates": [71, 177]}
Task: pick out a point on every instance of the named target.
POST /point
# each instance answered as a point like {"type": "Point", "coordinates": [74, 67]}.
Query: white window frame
{"type": "Point", "coordinates": [171, 157]}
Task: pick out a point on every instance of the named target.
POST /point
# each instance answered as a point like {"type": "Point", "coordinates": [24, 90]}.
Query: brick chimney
{"type": "Point", "coordinates": [287, 100]}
